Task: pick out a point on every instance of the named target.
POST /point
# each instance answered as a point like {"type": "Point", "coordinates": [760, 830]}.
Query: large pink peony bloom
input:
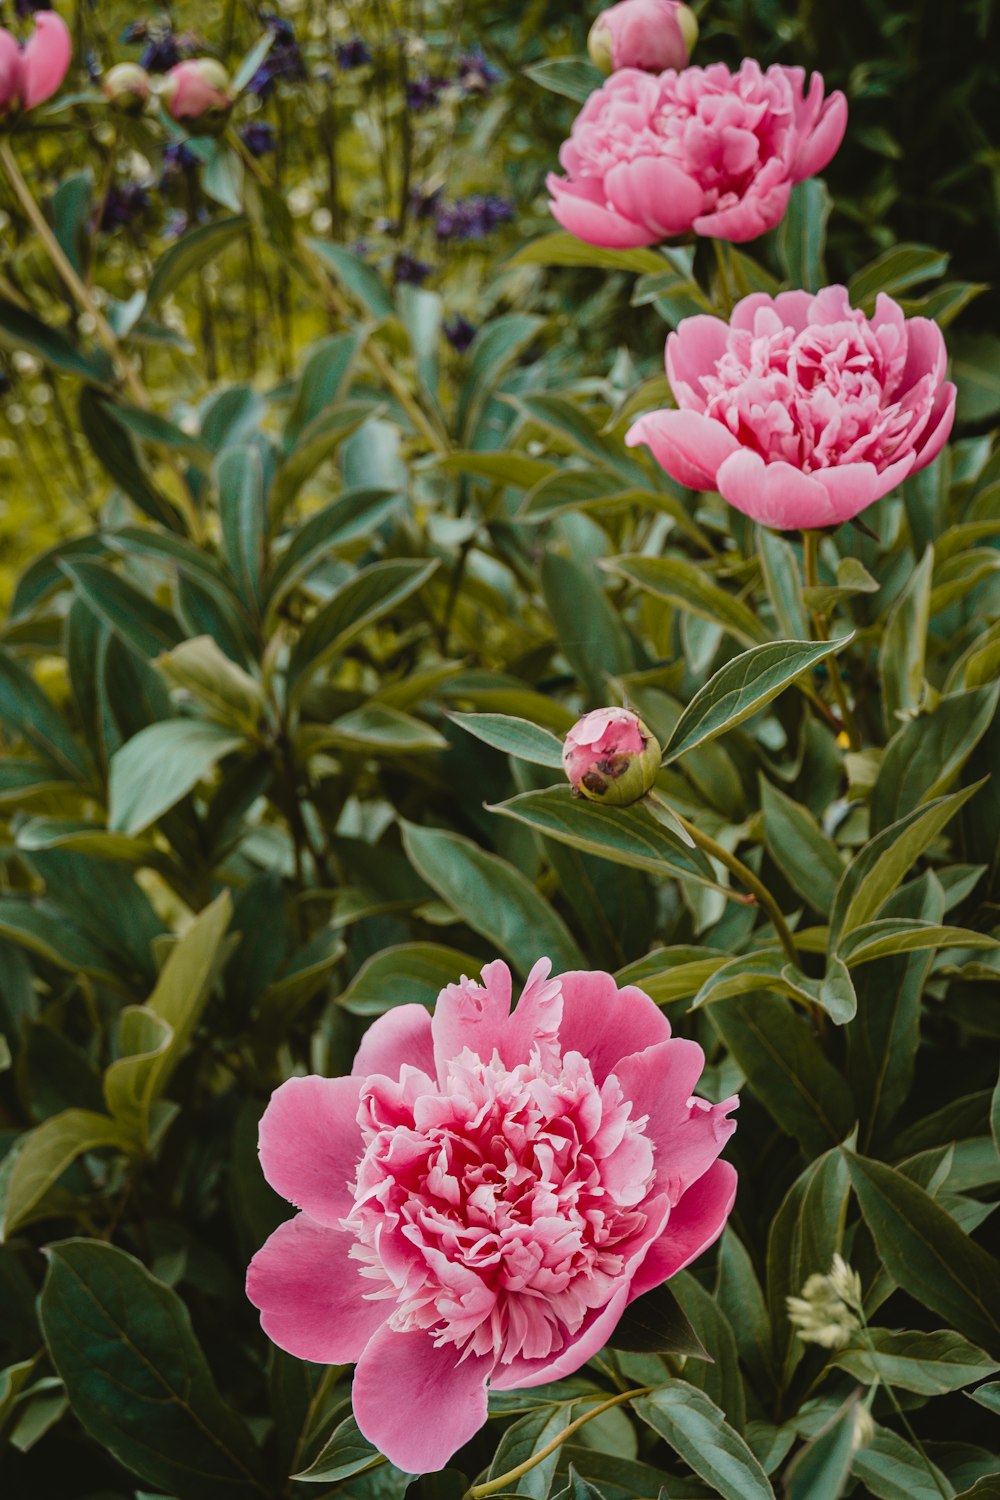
{"type": "Point", "coordinates": [31, 74]}
{"type": "Point", "coordinates": [484, 1195]}
{"type": "Point", "coordinates": [652, 156]}
{"type": "Point", "coordinates": [801, 411]}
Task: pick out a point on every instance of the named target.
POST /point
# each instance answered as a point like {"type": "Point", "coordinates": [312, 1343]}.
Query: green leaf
{"type": "Point", "coordinates": [987, 1488]}
{"type": "Point", "coordinates": [344, 1453]}
{"type": "Point", "coordinates": [324, 380]}
{"type": "Point", "coordinates": [626, 835]}
{"type": "Point", "coordinates": [493, 897]}
{"type": "Point", "coordinates": [517, 737]}
{"type": "Point", "coordinates": [924, 757]}
{"type": "Point", "coordinates": [160, 765]}
{"type": "Point", "coordinates": [686, 586]}
{"type": "Point", "coordinates": [522, 1441]}
{"type": "Point", "coordinates": [139, 623]}
{"type": "Point", "coordinates": [198, 667]}
{"type": "Point", "coordinates": [579, 1489]}
{"type": "Point", "coordinates": [801, 234]}
{"type": "Point", "coordinates": [741, 688]}
{"type": "Point", "coordinates": [20, 329]}
{"type": "Point", "coordinates": [192, 252]}
{"type": "Point", "coordinates": [150, 1399]}
{"type": "Point", "coordinates": [904, 645]}
{"type": "Point", "coordinates": [852, 579]}
{"type": "Point", "coordinates": [927, 1254]}
{"type": "Point", "coordinates": [243, 513]}
{"type": "Point", "coordinates": [930, 1364]}
{"type": "Point", "coordinates": [572, 426]}
{"type": "Point", "coordinates": [115, 449]}
{"type": "Point", "coordinates": [655, 1323]}
{"type": "Point", "coordinates": [407, 974]}
{"type": "Point", "coordinates": [354, 513]}
{"type": "Point", "coordinates": [697, 1431]}
{"type": "Point", "coordinates": [874, 874]}
{"type": "Point", "coordinates": [897, 269]}
{"type": "Point", "coordinates": [362, 280]}
{"type": "Point", "coordinates": [45, 931]}
{"type": "Point", "coordinates": [821, 1469]}
{"type": "Point", "coordinates": [377, 728]}
{"type": "Point", "coordinates": [892, 1469]}
{"type": "Point", "coordinates": [314, 446]}
{"type": "Point", "coordinates": [786, 1068]}
{"type": "Point", "coordinates": [976, 370]}
{"type": "Point", "coordinates": [574, 77]}
{"type": "Point", "coordinates": [804, 1234]}
{"type": "Point", "coordinates": [31, 714]}
{"type": "Point", "coordinates": [771, 970]}
{"type": "Point", "coordinates": [591, 633]}
{"type": "Point", "coordinates": [883, 938]}
{"type": "Point", "coordinates": [989, 1396]}
{"type": "Point", "coordinates": [806, 857]}
{"type": "Point", "coordinates": [564, 249]}
{"type": "Point", "coordinates": [494, 349]}
{"type": "Point", "coordinates": [222, 177]}
{"type": "Point", "coordinates": [780, 567]}
{"type": "Point", "coordinates": [365, 598]}
{"type": "Point", "coordinates": [153, 1037]}
{"type": "Point", "coordinates": [46, 1153]}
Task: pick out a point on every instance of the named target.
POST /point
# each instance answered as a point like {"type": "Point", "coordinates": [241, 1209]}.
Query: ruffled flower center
{"type": "Point", "coordinates": [720, 128]}
{"type": "Point", "coordinates": [498, 1210]}
{"type": "Point", "coordinates": [820, 397]}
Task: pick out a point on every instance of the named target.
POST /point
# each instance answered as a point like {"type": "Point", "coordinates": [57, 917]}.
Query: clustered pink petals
{"type": "Point", "coordinates": [651, 156]}
{"type": "Point", "coordinates": [484, 1195]}
{"type": "Point", "coordinates": [31, 74]}
{"type": "Point", "coordinates": [802, 411]}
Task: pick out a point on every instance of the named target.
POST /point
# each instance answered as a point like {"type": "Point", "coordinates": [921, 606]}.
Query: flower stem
{"type": "Point", "coordinates": [743, 874]}
{"type": "Point", "coordinates": [810, 554]}
{"type": "Point", "coordinates": [873, 1355]}
{"type": "Point", "coordinates": [493, 1486]}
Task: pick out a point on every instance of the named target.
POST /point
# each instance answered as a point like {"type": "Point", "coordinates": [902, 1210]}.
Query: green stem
{"type": "Point", "coordinates": [493, 1486]}
{"type": "Point", "coordinates": [810, 554]}
{"type": "Point", "coordinates": [743, 874]}
{"type": "Point", "coordinates": [873, 1354]}
{"type": "Point", "coordinates": [724, 284]}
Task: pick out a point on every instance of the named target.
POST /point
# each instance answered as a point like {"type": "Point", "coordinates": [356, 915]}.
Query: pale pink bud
{"type": "Point", "coordinates": [649, 34]}
{"type": "Point", "coordinates": [197, 92]}
{"type": "Point", "coordinates": [30, 75]}
{"type": "Point", "coordinates": [611, 756]}
{"type": "Point", "coordinates": [127, 87]}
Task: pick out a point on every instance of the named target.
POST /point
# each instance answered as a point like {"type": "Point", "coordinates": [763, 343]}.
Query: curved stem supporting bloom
{"type": "Point", "coordinates": [505, 1481]}
{"type": "Point", "coordinates": [84, 299]}
{"type": "Point", "coordinates": [810, 553]}
{"type": "Point", "coordinates": [743, 874]}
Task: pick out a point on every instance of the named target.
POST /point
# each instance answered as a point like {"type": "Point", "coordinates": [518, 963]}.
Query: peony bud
{"type": "Point", "coordinates": [127, 87]}
{"type": "Point", "coordinates": [610, 756]}
{"type": "Point", "coordinates": [197, 93]}
{"type": "Point", "coordinates": [650, 34]}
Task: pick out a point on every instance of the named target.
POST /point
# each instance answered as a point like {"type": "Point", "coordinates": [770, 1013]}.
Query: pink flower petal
{"type": "Point", "coordinates": [821, 145]}
{"type": "Point", "coordinates": [688, 445]}
{"type": "Point", "coordinates": [775, 494]}
{"type": "Point", "coordinates": [45, 59]}
{"type": "Point", "coordinates": [592, 223]}
{"type": "Point", "coordinates": [597, 1328]}
{"type": "Point", "coordinates": [925, 354]}
{"type": "Point", "coordinates": [940, 425]}
{"type": "Point", "coordinates": [605, 1023]}
{"type": "Point", "coordinates": [310, 1144]}
{"type": "Point", "coordinates": [850, 488]}
{"type": "Point", "coordinates": [688, 1133]}
{"type": "Point", "coordinates": [311, 1294]}
{"type": "Point", "coordinates": [760, 210]}
{"type": "Point", "coordinates": [653, 191]}
{"type": "Point", "coordinates": [402, 1035]}
{"type": "Point", "coordinates": [418, 1404]}
{"type": "Point", "coordinates": [693, 351]}
{"type": "Point", "coordinates": [694, 1224]}
{"type": "Point", "coordinates": [10, 72]}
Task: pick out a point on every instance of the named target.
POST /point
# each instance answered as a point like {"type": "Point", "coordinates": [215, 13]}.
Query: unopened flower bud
{"type": "Point", "coordinates": [864, 1428]}
{"type": "Point", "coordinates": [610, 756]}
{"type": "Point", "coordinates": [648, 34]}
{"type": "Point", "coordinates": [127, 87]}
{"type": "Point", "coordinates": [197, 93]}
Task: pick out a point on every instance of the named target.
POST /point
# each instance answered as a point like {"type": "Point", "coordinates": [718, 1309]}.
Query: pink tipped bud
{"type": "Point", "coordinates": [126, 86]}
{"type": "Point", "coordinates": [197, 93]}
{"type": "Point", "coordinates": [650, 34]}
{"type": "Point", "coordinates": [610, 756]}
{"type": "Point", "coordinates": [30, 75]}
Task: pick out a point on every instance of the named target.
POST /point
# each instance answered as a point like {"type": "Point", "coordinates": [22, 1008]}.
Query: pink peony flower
{"type": "Point", "coordinates": [484, 1195]}
{"type": "Point", "coordinates": [610, 756]}
{"type": "Point", "coordinates": [704, 150]}
{"type": "Point", "coordinates": [197, 90]}
{"type": "Point", "coordinates": [801, 411]}
{"type": "Point", "coordinates": [647, 34]}
{"type": "Point", "coordinates": [30, 75]}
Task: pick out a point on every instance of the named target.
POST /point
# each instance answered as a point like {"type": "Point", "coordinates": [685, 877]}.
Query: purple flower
{"type": "Point", "coordinates": [459, 332]}
{"type": "Point", "coordinates": [122, 205]}
{"type": "Point", "coordinates": [424, 202]}
{"type": "Point", "coordinates": [472, 218]}
{"type": "Point", "coordinates": [475, 74]}
{"type": "Point", "coordinates": [406, 268]}
{"type": "Point", "coordinates": [284, 60]}
{"type": "Point", "coordinates": [352, 54]}
{"type": "Point", "coordinates": [177, 157]}
{"type": "Point", "coordinates": [258, 137]}
{"type": "Point", "coordinates": [161, 52]}
{"type": "Point", "coordinates": [422, 93]}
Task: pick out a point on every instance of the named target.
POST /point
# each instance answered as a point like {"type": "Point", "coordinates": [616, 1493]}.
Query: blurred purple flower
{"type": "Point", "coordinates": [284, 60]}
{"type": "Point", "coordinates": [122, 205]}
{"type": "Point", "coordinates": [406, 268]}
{"type": "Point", "coordinates": [177, 157]}
{"type": "Point", "coordinates": [25, 8]}
{"type": "Point", "coordinates": [476, 75]}
{"type": "Point", "coordinates": [163, 49]}
{"type": "Point", "coordinates": [258, 137]}
{"type": "Point", "coordinates": [352, 54]}
{"type": "Point", "coordinates": [459, 332]}
{"type": "Point", "coordinates": [422, 93]}
{"type": "Point", "coordinates": [424, 202]}
{"type": "Point", "coordinates": [472, 218]}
